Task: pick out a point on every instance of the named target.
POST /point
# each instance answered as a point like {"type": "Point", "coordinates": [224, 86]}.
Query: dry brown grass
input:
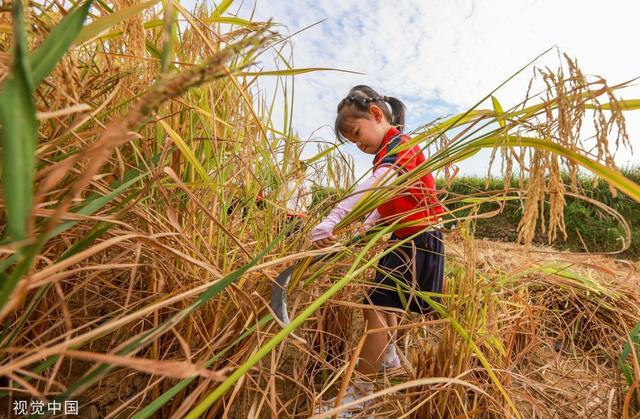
{"type": "Point", "coordinates": [136, 170]}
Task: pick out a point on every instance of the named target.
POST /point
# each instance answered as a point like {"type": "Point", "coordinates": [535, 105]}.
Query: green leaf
{"type": "Point", "coordinates": [94, 204]}
{"type": "Point", "coordinates": [100, 229]}
{"type": "Point", "coordinates": [222, 7]}
{"type": "Point", "coordinates": [499, 112]}
{"type": "Point", "coordinates": [187, 151]}
{"type": "Point", "coordinates": [148, 337]}
{"type": "Point", "coordinates": [152, 407]}
{"type": "Point", "coordinates": [230, 20]}
{"type": "Point", "coordinates": [625, 105]}
{"type": "Point", "coordinates": [152, 50]}
{"type": "Point", "coordinates": [321, 154]}
{"type": "Point", "coordinates": [94, 29]}
{"type": "Point", "coordinates": [292, 72]}
{"type": "Point", "coordinates": [49, 53]}
{"type": "Point", "coordinates": [25, 258]}
{"type": "Point", "coordinates": [19, 132]}
{"type": "Point", "coordinates": [296, 322]}
{"type": "Point", "coordinates": [614, 178]}
{"type": "Point", "coordinates": [634, 340]}
{"type": "Point", "coordinates": [105, 6]}
{"type": "Point", "coordinates": [168, 30]}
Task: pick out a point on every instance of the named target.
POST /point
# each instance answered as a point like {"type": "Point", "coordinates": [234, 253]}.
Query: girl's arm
{"type": "Point", "coordinates": [372, 218]}
{"type": "Point", "coordinates": [325, 228]}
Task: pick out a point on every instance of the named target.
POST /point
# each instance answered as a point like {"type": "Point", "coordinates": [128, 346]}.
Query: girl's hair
{"type": "Point", "coordinates": [357, 104]}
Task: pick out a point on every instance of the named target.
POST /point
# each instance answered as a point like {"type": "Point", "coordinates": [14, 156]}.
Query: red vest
{"type": "Point", "coordinates": [419, 200]}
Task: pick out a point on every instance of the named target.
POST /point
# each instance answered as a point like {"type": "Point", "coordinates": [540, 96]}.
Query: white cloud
{"type": "Point", "coordinates": [442, 57]}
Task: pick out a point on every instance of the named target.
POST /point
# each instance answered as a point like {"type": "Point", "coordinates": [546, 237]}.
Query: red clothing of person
{"type": "Point", "coordinates": [418, 201]}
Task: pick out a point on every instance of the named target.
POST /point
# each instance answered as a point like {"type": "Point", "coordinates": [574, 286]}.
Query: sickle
{"type": "Point", "coordinates": [279, 288]}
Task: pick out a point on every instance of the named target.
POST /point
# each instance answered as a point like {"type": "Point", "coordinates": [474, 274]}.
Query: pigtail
{"type": "Point", "coordinates": [398, 111]}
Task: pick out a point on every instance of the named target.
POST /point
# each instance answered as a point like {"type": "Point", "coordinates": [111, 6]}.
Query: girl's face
{"type": "Point", "coordinates": [367, 133]}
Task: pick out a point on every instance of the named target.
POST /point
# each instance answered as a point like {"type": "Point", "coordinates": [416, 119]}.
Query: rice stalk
{"type": "Point", "coordinates": [134, 258]}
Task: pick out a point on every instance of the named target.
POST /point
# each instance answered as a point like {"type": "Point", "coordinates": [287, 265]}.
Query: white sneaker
{"type": "Point", "coordinates": [353, 393]}
{"type": "Point", "coordinates": [391, 360]}
{"type": "Point", "coordinates": [391, 364]}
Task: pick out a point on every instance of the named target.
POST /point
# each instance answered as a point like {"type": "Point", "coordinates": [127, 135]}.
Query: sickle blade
{"type": "Point", "coordinates": [279, 295]}
{"type": "Point", "coordinates": [279, 288]}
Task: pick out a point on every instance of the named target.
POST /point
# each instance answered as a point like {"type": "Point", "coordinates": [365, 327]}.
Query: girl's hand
{"type": "Point", "coordinates": [362, 229]}
{"type": "Point", "coordinates": [325, 242]}
{"type": "Point", "coordinates": [322, 235]}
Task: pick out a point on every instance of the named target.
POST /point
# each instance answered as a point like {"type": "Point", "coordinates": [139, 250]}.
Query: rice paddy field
{"type": "Point", "coordinates": [136, 264]}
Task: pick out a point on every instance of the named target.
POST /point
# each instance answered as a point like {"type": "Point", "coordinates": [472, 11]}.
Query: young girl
{"type": "Point", "coordinates": [365, 119]}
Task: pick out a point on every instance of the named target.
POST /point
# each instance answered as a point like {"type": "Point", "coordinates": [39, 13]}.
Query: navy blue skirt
{"type": "Point", "coordinates": [419, 263]}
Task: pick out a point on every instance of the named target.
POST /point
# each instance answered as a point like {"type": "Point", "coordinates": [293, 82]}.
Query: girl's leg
{"type": "Point", "coordinates": [372, 352]}
{"type": "Point", "coordinates": [391, 359]}
{"type": "Point", "coordinates": [392, 321]}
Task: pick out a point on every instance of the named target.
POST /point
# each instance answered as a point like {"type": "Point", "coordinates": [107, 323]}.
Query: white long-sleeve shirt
{"type": "Point", "coordinates": [296, 196]}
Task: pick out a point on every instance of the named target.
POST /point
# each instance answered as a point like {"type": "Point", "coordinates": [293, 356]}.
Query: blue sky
{"type": "Point", "coordinates": [440, 57]}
